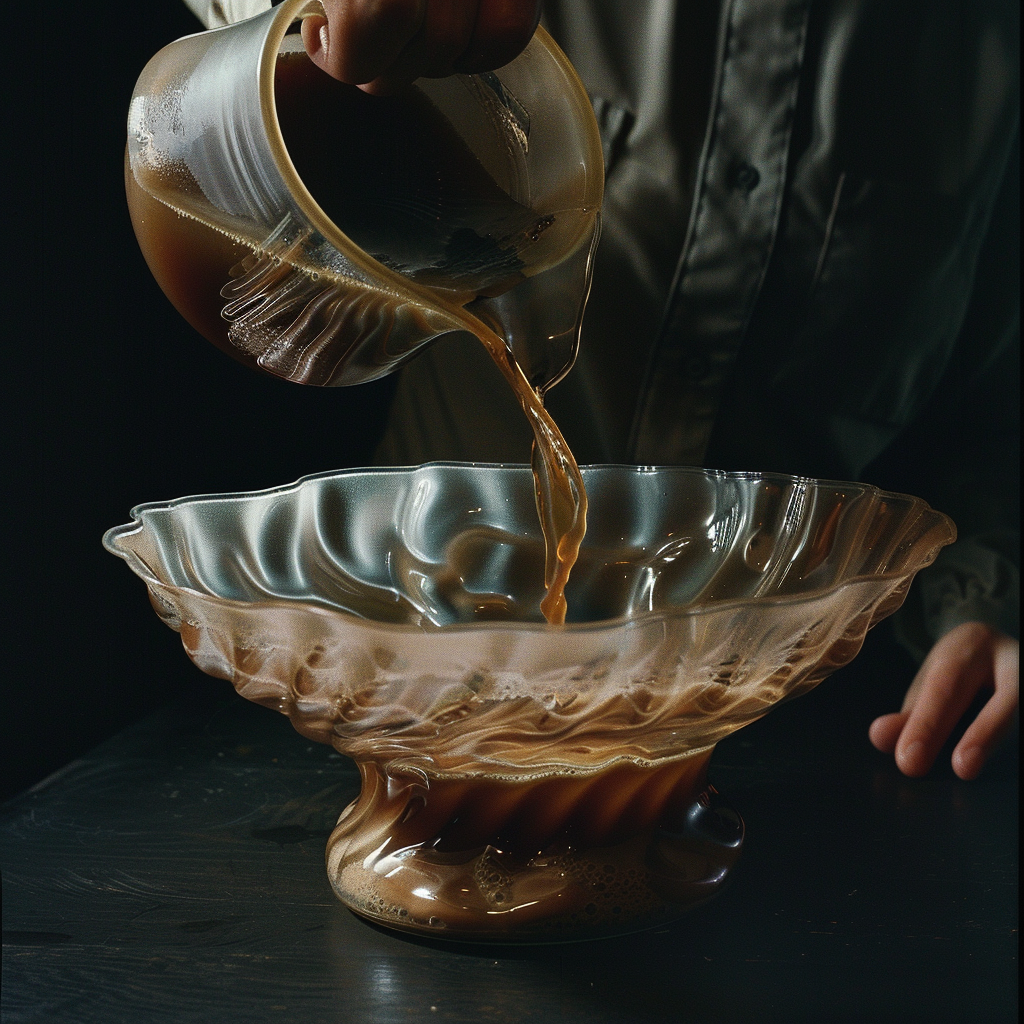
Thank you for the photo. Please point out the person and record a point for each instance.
(809, 264)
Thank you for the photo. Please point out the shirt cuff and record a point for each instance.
(217, 13)
(974, 580)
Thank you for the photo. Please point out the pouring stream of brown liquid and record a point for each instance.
(413, 196)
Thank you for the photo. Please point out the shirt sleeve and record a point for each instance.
(216, 13)
(966, 450)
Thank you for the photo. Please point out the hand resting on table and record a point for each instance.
(970, 658)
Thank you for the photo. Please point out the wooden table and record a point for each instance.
(176, 875)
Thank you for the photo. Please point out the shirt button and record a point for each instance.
(744, 176)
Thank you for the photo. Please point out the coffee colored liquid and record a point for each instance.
(548, 859)
(395, 176)
(190, 261)
(417, 199)
(397, 179)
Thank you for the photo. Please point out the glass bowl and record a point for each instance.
(524, 782)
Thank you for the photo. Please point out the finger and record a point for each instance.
(951, 676)
(502, 30)
(984, 734)
(884, 731)
(996, 718)
(362, 38)
(316, 39)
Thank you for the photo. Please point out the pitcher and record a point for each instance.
(242, 246)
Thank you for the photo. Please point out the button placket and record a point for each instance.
(732, 231)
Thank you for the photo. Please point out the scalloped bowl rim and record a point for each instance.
(141, 569)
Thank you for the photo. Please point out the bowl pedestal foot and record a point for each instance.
(542, 859)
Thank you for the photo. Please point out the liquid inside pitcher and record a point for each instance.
(345, 231)
(324, 235)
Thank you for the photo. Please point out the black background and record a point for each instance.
(111, 399)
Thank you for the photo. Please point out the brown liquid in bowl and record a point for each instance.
(544, 860)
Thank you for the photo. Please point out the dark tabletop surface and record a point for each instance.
(176, 874)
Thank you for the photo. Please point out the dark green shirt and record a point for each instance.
(809, 264)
